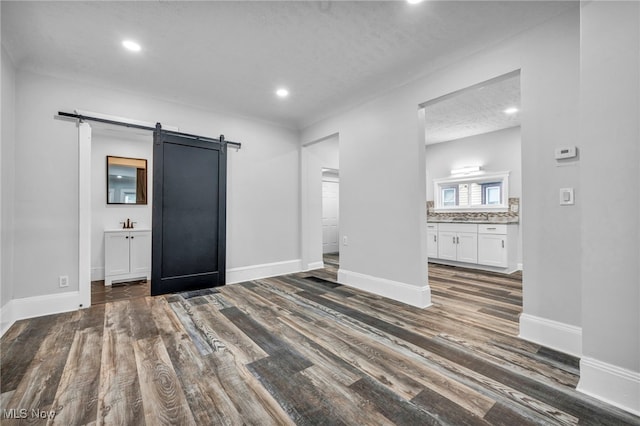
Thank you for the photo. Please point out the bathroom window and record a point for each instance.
(479, 192)
(492, 193)
(449, 197)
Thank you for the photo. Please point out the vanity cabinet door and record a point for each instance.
(140, 244)
(116, 246)
(467, 250)
(432, 240)
(492, 250)
(447, 245)
(432, 244)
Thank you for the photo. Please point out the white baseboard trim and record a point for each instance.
(509, 270)
(6, 317)
(37, 306)
(315, 265)
(552, 334)
(97, 273)
(614, 385)
(254, 272)
(401, 292)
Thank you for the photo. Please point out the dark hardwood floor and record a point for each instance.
(296, 349)
(101, 293)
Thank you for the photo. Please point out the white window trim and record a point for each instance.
(481, 177)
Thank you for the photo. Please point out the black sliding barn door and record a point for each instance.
(189, 213)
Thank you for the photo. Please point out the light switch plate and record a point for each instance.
(566, 197)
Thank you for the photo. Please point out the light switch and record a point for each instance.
(566, 197)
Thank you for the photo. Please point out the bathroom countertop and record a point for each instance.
(479, 221)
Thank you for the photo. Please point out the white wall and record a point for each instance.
(119, 142)
(495, 151)
(263, 179)
(325, 153)
(7, 179)
(610, 142)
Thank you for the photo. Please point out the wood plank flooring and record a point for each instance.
(296, 349)
(101, 293)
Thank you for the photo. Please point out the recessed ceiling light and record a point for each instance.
(131, 45)
(282, 93)
(511, 110)
(414, 1)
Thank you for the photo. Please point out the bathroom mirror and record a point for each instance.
(126, 180)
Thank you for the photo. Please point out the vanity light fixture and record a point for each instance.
(511, 111)
(466, 170)
(131, 45)
(282, 92)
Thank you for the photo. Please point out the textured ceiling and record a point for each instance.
(230, 56)
(473, 111)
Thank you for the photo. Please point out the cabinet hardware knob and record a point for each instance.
(454, 240)
(434, 238)
(457, 240)
(127, 237)
(502, 243)
(491, 229)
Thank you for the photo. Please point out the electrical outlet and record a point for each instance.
(63, 280)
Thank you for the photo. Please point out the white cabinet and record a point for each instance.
(493, 245)
(484, 246)
(432, 240)
(127, 255)
(458, 242)
(447, 245)
(467, 247)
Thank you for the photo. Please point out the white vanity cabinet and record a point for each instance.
(432, 240)
(458, 242)
(127, 255)
(493, 245)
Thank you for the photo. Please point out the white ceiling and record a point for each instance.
(231, 56)
(474, 110)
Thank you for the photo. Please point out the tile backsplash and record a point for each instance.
(510, 216)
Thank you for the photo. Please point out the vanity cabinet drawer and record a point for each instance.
(492, 229)
(458, 227)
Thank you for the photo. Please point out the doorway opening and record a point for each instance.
(330, 216)
(121, 196)
(320, 199)
(474, 186)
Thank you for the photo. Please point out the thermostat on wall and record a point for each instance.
(566, 152)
